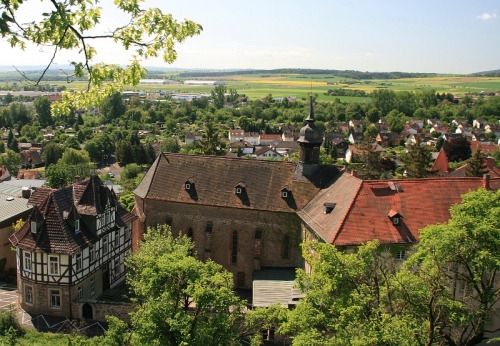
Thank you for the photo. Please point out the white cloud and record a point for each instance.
(487, 16)
(368, 54)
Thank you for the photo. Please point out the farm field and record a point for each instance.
(256, 86)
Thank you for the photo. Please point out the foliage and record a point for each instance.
(180, 300)
(51, 153)
(131, 171)
(74, 157)
(62, 174)
(457, 149)
(112, 107)
(218, 96)
(417, 160)
(369, 158)
(9, 324)
(11, 160)
(42, 107)
(210, 143)
(72, 26)
(456, 265)
(475, 167)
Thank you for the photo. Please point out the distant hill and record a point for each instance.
(492, 73)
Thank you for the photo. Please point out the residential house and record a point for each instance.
(71, 249)
(353, 152)
(489, 168)
(245, 148)
(190, 138)
(267, 139)
(268, 153)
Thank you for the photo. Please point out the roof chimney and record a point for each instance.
(486, 182)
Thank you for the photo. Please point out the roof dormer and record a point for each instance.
(329, 207)
(189, 184)
(285, 192)
(239, 188)
(395, 217)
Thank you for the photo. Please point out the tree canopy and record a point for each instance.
(73, 25)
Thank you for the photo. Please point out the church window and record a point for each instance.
(234, 248)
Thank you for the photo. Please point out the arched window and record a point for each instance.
(286, 247)
(234, 248)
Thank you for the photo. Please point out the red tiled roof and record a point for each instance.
(489, 168)
(421, 202)
(485, 148)
(441, 165)
(362, 208)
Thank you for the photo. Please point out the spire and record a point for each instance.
(310, 117)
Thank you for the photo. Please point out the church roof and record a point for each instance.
(216, 177)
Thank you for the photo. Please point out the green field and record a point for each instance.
(256, 86)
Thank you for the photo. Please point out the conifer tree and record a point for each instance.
(476, 168)
(417, 160)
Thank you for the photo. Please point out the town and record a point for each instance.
(144, 205)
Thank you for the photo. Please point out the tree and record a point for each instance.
(475, 167)
(457, 149)
(11, 160)
(112, 107)
(185, 301)
(454, 271)
(210, 142)
(72, 25)
(42, 107)
(170, 145)
(417, 160)
(218, 95)
(369, 158)
(51, 153)
(74, 157)
(59, 173)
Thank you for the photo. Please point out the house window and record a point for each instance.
(286, 247)
(209, 226)
(99, 223)
(190, 233)
(78, 262)
(55, 299)
(127, 233)
(33, 227)
(28, 294)
(238, 190)
(234, 248)
(53, 265)
(79, 294)
(188, 186)
(77, 226)
(395, 220)
(115, 240)
(117, 267)
(27, 261)
(91, 254)
(107, 218)
(401, 255)
(169, 220)
(92, 286)
(104, 246)
(258, 234)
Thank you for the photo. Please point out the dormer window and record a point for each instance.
(188, 185)
(33, 227)
(239, 188)
(285, 192)
(77, 226)
(329, 207)
(395, 217)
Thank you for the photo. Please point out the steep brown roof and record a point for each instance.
(216, 177)
(441, 165)
(363, 208)
(56, 210)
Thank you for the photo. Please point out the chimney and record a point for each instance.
(486, 182)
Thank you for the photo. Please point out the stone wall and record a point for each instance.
(212, 231)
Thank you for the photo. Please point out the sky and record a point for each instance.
(384, 35)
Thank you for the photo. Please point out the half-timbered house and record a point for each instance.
(71, 249)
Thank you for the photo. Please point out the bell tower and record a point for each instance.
(310, 142)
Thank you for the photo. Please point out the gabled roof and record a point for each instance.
(489, 168)
(362, 214)
(56, 210)
(216, 178)
(441, 164)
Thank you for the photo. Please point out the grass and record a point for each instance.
(300, 86)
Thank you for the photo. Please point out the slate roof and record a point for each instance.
(362, 208)
(215, 179)
(55, 211)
